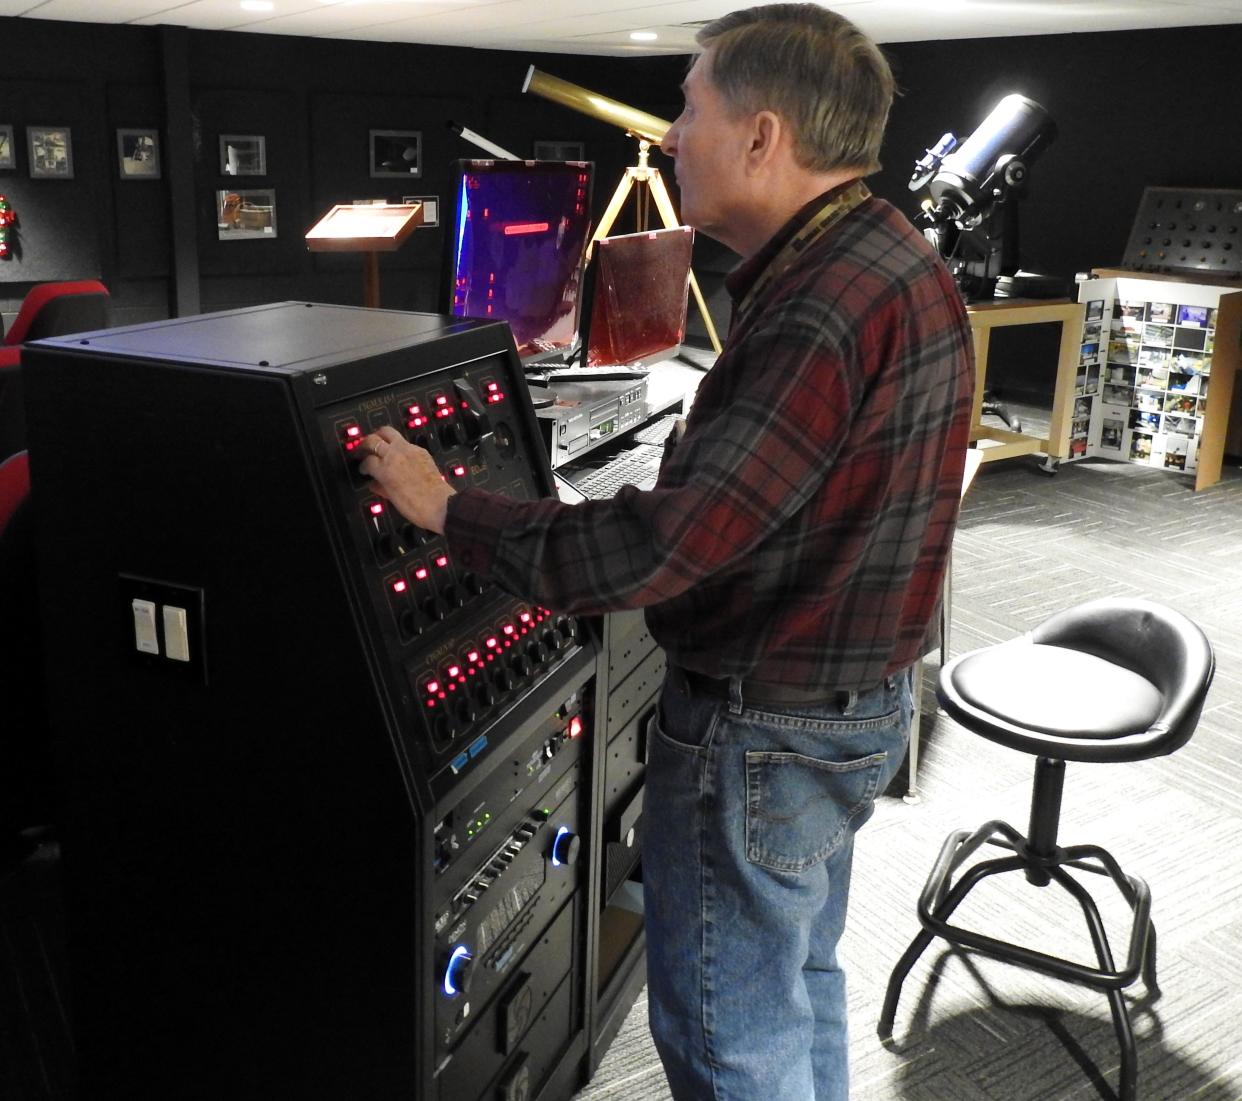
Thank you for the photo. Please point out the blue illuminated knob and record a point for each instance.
(458, 971)
(565, 847)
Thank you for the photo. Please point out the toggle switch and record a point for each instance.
(176, 633)
(146, 640)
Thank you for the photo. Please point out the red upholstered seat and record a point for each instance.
(14, 486)
(56, 309)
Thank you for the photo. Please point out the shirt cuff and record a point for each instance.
(473, 521)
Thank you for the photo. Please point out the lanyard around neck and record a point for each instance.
(828, 216)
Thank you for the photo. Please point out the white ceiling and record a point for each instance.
(604, 26)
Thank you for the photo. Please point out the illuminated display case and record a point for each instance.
(1155, 379)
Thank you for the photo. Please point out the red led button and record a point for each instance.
(421, 573)
(432, 686)
(442, 561)
(376, 508)
(459, 471)
(398, 586)
(575, 727)
(351, 436)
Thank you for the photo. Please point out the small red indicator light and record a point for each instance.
(575, 727)
(441, 399)
(525, 617)
(433, 686)
(459, 470)
(454, 670)
(377, 508)
(353, 431)
(442, 561)
(508, 628)
(517, 229)
(421, 573)
(492, 642)
(473, 655)
(493, 386)
(398, 586)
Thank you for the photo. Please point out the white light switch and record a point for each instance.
(146, 640)
(176, 635)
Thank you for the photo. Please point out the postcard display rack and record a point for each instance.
(1155, 376)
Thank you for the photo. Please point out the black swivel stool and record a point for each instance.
(1109, 680)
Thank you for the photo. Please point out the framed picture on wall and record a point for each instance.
(8, 155)
(138, 154)
(396, 153)
(246, 215)
(243, 155)
(51, 152)
(560, 151)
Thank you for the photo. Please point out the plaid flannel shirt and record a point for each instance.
(800, 530)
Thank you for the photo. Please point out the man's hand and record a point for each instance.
(407, 476)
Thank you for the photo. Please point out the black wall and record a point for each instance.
(1132, 109)
(314, 100)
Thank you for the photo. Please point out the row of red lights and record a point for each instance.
(421, 573)
(477, 658)
(352, 434)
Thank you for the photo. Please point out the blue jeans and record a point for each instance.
(750, 821)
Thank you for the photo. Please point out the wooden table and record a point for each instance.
(1002, 443)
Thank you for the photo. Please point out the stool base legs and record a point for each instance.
(941, 896)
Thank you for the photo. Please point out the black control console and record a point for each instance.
(325, 790)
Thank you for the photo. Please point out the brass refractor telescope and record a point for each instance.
(648, 129)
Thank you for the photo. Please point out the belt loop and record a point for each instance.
(735, 695)
(851, 701)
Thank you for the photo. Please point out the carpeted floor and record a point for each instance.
(970, 1029)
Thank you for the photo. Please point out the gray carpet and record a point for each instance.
(968, 1028)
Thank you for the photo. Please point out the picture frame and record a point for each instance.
(51, 152)
(8, 152)
(138, 154)
(243, 155)
(431, 208)
(560, 151)
(396, 153)
(246, 215)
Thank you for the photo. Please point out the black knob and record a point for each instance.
(408, 624)
(520, 665)
(502, 678)
(443, 727)
(385, 546)
(450, 434)
(483, 693)
(472, 583)
(465, 710)
(552, 639)
(565, 847)
(434, 608)
(423, 440)
(537, 652)
(453, 596)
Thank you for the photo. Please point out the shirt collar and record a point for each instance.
(743, 277)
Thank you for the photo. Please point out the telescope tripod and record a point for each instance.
(650, 185)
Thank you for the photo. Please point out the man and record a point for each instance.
(790, 557)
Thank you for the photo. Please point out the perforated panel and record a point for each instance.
(1186, 229)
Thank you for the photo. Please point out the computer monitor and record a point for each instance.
(518, 239)
(638, 290)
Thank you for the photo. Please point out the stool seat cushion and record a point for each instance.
(1055, 690)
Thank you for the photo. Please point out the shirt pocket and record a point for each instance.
(799, 808)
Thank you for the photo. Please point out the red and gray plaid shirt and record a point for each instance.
(800, 530)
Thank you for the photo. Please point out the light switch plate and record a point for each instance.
(179, 622)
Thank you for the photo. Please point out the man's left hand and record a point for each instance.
(407, 476)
